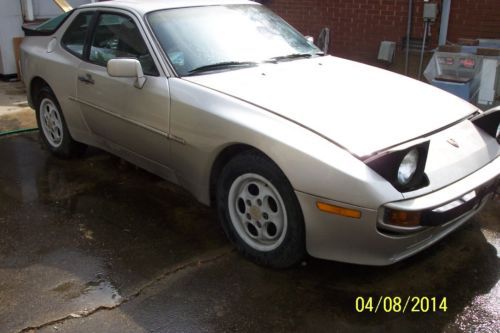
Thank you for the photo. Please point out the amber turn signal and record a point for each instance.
(327, 208)
(403, 218)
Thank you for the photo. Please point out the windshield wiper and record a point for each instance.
(222, 65)
(294, 56)
(291, 56)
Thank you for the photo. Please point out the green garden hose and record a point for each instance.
(23, 130)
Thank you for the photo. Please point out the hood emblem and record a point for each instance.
(453, 143)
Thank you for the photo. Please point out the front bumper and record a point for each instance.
(361, 241)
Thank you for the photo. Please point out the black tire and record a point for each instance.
(291, 250)
(66, 147)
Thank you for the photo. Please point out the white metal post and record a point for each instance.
(445, 19)
(28, 13)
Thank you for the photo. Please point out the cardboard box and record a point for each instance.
(468, 41)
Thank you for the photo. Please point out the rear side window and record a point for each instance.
(53, 24)
(74, 37)
(48, 27)
(117, 36)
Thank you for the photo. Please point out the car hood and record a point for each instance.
(361, 108)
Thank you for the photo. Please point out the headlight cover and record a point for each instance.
(408, 167)
(405, 168)
(489, 122)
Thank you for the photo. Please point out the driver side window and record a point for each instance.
(74, 38)
(117, 36)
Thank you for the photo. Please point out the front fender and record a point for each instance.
(209, 121)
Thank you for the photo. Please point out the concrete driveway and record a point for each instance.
(97, 245)
(15, 113)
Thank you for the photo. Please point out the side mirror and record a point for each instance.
(127, 67)
(310, 39)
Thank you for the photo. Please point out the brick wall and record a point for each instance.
(474, 19)
(358, 26)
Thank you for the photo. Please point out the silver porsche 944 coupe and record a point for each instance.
(300, 152)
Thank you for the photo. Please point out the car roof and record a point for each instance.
(145, 6)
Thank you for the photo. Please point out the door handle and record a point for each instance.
(86, 79)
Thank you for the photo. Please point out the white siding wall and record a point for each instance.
(11, 20)
(47, 8)
(10, 26)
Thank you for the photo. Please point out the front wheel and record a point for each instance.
(259, 211)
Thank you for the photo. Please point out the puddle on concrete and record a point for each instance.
(70, 289)
(494, 239)
(100, 292)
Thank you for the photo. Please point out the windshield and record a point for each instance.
(199, 39)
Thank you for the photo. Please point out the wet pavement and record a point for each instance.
(97, 245)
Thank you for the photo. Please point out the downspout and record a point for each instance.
(27, 7)
(408, 32)
(445, 19)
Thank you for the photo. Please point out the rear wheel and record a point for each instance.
(53, 128)
(259, 211)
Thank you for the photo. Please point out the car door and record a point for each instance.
(134, 119)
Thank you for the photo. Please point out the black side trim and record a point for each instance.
(89, 36)
(32, 32)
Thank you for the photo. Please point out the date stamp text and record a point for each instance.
(396, 304)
